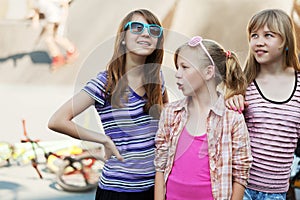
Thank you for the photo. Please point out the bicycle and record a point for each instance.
(76, 173)
(11, 154)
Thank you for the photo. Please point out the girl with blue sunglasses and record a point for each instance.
(128, 97)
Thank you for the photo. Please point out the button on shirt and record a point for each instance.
(228, 144)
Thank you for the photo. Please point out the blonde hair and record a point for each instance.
(228, 68)
(278, 22)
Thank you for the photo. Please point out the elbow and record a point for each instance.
(56, 123)
(52, 123)
(59, 123)
(60, 120)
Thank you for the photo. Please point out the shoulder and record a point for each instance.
(171, 108)
(233, 116)
(175, 105)
(251, 86)
(298, 75)
(252, 91)
(100, 79)
(102, 75)
(97, 83)
(220, 109)
(173, 113)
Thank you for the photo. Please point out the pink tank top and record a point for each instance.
(190, 175)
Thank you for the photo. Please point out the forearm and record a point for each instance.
(159, 189)
(237, 191)
(70, 128)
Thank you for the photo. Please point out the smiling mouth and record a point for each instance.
(260, 52)
(144, 43)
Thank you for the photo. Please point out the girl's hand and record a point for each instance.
(111, 150)
(236, 103)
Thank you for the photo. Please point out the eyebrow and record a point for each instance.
(268, 31)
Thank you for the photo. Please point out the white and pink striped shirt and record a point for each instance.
(274, 128)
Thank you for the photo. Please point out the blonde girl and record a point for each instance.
(202, 148)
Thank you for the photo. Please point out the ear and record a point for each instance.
(210, 72)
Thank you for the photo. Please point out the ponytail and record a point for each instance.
(229, 75)
(234, 81)
(229, 72)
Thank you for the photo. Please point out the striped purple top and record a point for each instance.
(274, 128)
(133, 132)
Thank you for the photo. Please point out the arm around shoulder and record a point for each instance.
(236, 103)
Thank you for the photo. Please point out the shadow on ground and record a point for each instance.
(37, 57)
(12, 187)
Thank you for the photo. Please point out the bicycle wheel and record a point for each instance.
(79, 174)
(6, 153)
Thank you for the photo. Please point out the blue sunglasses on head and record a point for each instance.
(138, 27)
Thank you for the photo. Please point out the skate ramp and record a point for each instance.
(29, 89)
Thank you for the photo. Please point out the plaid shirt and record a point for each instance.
(228, 145)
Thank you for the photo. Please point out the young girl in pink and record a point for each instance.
(202, 148)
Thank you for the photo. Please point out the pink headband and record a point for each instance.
(197, 40)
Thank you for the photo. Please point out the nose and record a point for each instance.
(145, 32)
(260, 41)
(178, 73)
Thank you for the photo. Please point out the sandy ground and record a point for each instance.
(23, 183)
(29, 90)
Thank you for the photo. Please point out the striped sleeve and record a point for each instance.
(96, 87)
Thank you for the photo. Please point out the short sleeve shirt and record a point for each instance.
(133, 132)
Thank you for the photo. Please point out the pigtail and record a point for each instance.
(235, 81)
(230, 78)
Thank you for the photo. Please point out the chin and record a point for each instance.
(187, 94)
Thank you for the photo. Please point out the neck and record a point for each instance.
(135, 74)
(204, 99)
(133, 61)
(272, 68)
(198, 110)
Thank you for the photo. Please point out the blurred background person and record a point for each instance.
(55, 14)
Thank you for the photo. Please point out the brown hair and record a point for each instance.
(152, 67)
